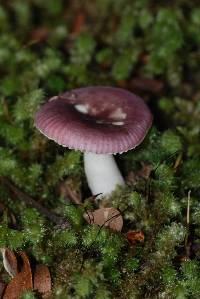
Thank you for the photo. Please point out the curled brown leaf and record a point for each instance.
(78, 23)
(9, 261)
(21, 282)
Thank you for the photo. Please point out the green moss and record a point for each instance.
(167, 39)
(191, 278)
(63, 165)
(170, 142)
(11, 238)
(28, 295)
(191, 173)
(63, 238)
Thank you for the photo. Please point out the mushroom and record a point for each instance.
(99, 121)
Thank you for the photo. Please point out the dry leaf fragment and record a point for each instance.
(135, 236)
(42, 280)
(21, 282)
(108, 217)
(147, 84)
(9, 261)
(2, 288)
(79, 23)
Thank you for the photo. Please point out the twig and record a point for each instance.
(188, 208)
(74, 197)
(178, 161)
(59, 220)
(187, 244)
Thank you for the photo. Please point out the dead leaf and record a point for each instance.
(21, 282)
(79, 22)
(2, 288)
(147, 84)
(9, 261)
(42, 280)
(135, 236)
(108, 217)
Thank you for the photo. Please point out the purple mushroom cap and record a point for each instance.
(99, 119)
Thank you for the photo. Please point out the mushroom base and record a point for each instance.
(102, 173)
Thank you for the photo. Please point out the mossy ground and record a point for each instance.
(151, 48)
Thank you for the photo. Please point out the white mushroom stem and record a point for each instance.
(102, 173)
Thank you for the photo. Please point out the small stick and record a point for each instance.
(61, 221)
(188, 208)
(187, 245)
(72, 195)
(178, 161)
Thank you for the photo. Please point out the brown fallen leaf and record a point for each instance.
(135, 236)
(42, 280)
(147, 84)
(79, 23)
(2, 288)
(108, 217)
(21, 282)
(9, 261)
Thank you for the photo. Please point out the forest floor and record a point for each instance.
(48, 248)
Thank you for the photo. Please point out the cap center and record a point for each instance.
(106, 115)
